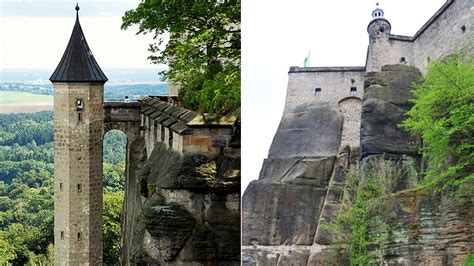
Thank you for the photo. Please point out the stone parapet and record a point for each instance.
(187, 131)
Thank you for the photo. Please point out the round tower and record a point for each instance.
(379, 27)
(379, 43)
(78, 85)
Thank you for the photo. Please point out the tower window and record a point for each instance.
(353, 91)
(61, 186)
(62, 234)
(79, 108)
(79, 187)
(79, 105)
(79, 236)
(403, 60)
(463, 28)
(317, 91)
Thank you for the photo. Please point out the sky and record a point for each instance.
(35, 33)
(279, 34)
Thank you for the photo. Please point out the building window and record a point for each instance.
(62, 234)
(463, 28)
(79, 105)
(353, 91)
(79, 187)
(61, 186)
(403, 60)
(79, 108)
(79, 236)
(317, 91)
(382, 29)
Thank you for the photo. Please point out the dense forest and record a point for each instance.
(26, 190)
(112, 92)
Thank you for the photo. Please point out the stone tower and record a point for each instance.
(379, 32)
(78, 127)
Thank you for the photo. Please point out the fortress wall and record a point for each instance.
(388, 51)
(444, 34)
(335, 84)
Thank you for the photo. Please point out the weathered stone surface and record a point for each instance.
(133, 227)
(302, 171)
(284, 255)
(431, 230)
(279, 213)
(181, 210)
(308, 131)
(386, 100)
(169, 226)
(193, 172)
(422, 229)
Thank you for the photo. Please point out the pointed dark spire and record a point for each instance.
(78, 63)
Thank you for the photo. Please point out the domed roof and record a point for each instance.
(377, 13)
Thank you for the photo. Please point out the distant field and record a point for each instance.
(21, 102)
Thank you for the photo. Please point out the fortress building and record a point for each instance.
(182, 187)
(335, 119)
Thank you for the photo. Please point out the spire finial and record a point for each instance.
(77, 6)
(377, 4)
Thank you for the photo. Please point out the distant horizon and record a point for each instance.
(114, 74)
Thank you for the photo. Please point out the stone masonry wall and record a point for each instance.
(438, 38)
(335, 84)
(445, 34)
(78, 174)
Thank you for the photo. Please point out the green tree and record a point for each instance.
(443, 115)
(203, 50)
(7, 251)
(112, 214)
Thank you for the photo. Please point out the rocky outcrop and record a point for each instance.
(306, 130)
(298, 187)
(181, 209)
(429, 229)
(386, 100)
(301, 181)
(421, 229)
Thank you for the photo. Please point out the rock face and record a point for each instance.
(430, 230)
(423, 229)
(300, 185)
(181, 209)
(386, 100)
(384, 144)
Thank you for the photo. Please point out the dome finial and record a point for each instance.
(378, 12)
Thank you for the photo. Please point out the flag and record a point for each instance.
(307, 59)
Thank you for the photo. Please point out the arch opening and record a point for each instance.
(115, 143)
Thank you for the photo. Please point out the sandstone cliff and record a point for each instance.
(180, 209)
(300, 186)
